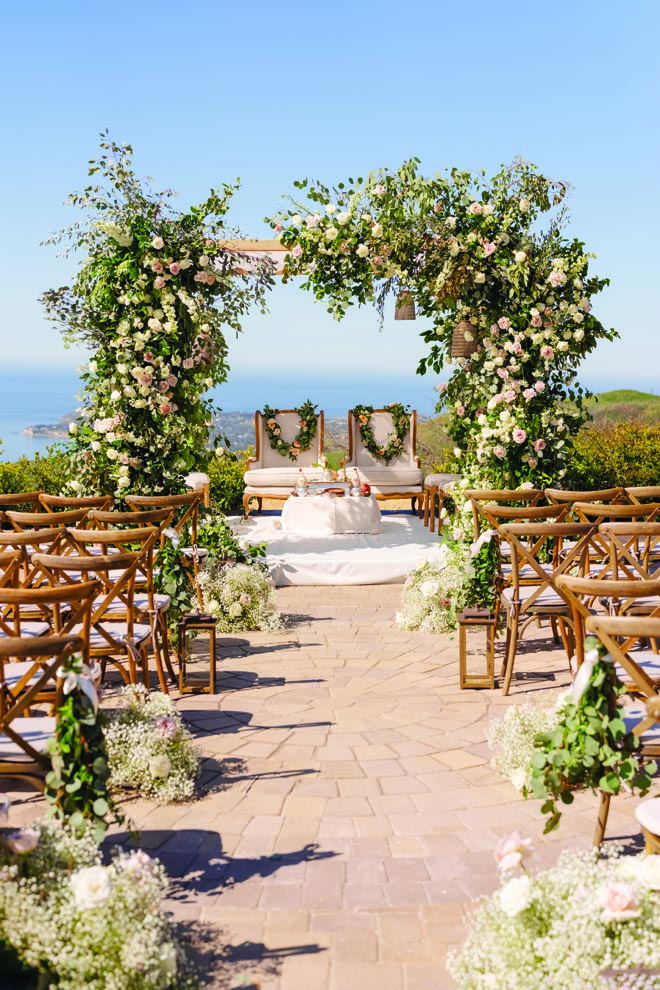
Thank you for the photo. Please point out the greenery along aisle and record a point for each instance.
(151, 300)
(471, 251)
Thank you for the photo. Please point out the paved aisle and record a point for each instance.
(351, 814)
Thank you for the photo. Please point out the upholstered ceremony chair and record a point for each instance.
(402, 478)
(273, 475)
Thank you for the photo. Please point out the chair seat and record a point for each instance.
(280, 477)
(36, 731)
(444, 481)
(14, 671)
(32, 628)
(119, 632)
(141, 602)
(392, 477)
(633, 715)
(548, 599)
(647, 814)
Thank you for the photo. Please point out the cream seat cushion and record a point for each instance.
(389, 477)
(279, 477)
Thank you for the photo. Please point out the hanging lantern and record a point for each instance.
(476, 648)
(404, 308)
(196, 647)
(464, 340)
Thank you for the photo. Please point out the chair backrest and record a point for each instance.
(10, 562)
(54, 503)
(644, 493)
(619, 635)
(614, 512)
(184, 508)
(26, 542)
(381, 424)
(64, 608)
(607, 495)
(289, 422)
(634, 548)
(112, 519)
(500, 496)
(14, 500)
(45, 520)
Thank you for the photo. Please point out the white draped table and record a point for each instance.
(324, 515)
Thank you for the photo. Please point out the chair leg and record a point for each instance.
(512, 635)
(603, 812)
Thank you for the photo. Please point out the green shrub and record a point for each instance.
(48, 473)
(625, 454)
(226, 477)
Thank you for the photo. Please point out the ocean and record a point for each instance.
(31, 396)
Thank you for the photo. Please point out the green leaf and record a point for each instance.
(100, 807)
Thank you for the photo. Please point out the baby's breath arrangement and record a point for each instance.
(241, 597)
(82, 925)
(150, 750)
(511, 738)
(565, 927)
(435, 592)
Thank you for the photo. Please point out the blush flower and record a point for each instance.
(475, 208)
(547, 352)
(519, 435)
(511, 850)
(515, 896)
(529, 393)
(489, 248)
(619, 902)
(23, 841)
(503, 323)
(166, 727)
(297, 251)
(539, 444)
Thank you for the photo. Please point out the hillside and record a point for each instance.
(624, 405)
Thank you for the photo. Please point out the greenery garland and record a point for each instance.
(304, 437)
(400, 422)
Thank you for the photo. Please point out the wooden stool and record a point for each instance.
(647, 814)
(434, 485)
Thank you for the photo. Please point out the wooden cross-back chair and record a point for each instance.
(598, 515)
(64, 610)
(643, 493)
(533, 593)
(619, 635)
(23, 521)
(608, 496)
(60, 503)
(614, 597)
(116, 632)
(24, 740)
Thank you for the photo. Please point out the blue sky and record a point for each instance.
(272, 92)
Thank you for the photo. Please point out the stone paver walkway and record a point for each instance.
(349, 815)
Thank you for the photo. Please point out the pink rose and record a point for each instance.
(144, 379)
(187, 363)
(529, 393)
(489, 248)
(536, 321)
(475, 208)
(540, 387)
(379, 190)
(547, 352)
(172, 380)
(458, 534)
(619, 902)
(510, 395)
(511, 850)
(460, 411)
(163, 386)
(297, 251)
(539, 444)
(499, 452)
(124, 459)
(441, 387)
(175, 267)
(210, 279)
(278, 227)
(156, 266)
(556, 278)
(494, 329)
(519, 435)
(245, 599)
(498, 398)
(503, 323)
(532, 462)
(148, 357)
(502, 372)
(200, 277)
(517, 347)
(437, 207)
(166, 726)
(159, 282)
(165, 408)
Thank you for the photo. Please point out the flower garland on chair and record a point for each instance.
(304, 436)
(400, 422)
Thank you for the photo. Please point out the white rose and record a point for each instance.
(160, 766)
(73, 428)
(518, 778)
(123, 470)
(111, 454)
(487, 210)
(647, 871)
(91, 887)
(158, 243)
(93, 367)
(520, 256)
(330, 209)
(377, 230)
(524, 205)
(479, 278)
(115, 395)
(515, 896)
(296, 219)
(123, 482)
(331, 233)
(362, 251)
(343, 217)
(203, 261)
(429, 588)
(95, 445)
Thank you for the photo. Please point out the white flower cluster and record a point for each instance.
(511, 738)
(90, 926)
(558, 929)
(240, 596)
(150, 750)
(434, 593)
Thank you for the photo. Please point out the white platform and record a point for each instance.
(386, 558)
